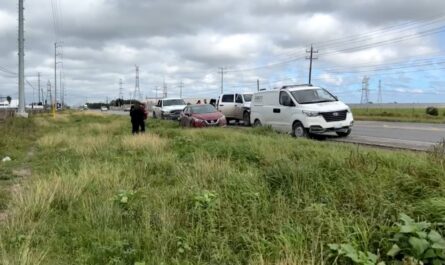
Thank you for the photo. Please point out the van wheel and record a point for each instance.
(246, 118)
(298, 130)
(344, 134)
(257, 123)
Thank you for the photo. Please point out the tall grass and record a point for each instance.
(216, 196)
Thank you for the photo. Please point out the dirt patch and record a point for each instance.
(3, 216)
(22, 173)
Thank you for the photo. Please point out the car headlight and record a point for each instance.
(311, 113)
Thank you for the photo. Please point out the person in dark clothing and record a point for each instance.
(138, 116)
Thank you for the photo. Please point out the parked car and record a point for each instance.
(169, 108)
(201, 116)
(301, 110)
(235, 106)
(103, 108)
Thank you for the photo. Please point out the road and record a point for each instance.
(414, 136)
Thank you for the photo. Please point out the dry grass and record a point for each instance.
(145, 141)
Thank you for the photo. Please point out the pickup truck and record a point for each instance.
(169, 108)
(235, 106)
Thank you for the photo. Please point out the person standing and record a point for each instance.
(138, 115)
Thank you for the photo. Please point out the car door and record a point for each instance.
(157, 109)
(284, 112)
(185, 117)
(227, 105)
(238, 108)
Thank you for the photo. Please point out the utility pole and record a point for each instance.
(165, 92)
(181, 86)
(55, 73)
(311, 58)
(258, 85)
(380, 96)
(121, 92)
(137, 91)
(21, 110)
(61, 89)
(38, 87)
(222, 79)
(365, 91)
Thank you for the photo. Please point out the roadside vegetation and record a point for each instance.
(97, 195)
(399, 115)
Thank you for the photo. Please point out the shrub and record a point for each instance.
(432, 111)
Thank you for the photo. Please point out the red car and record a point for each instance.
(201, 116)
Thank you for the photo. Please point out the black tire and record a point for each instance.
(246, 118)
(257, 123)
(298, 130)
(154, 115)
(344, 134)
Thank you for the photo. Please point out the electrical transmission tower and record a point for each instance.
(57, 54)
(365, 91)
(311, 58)
(137, 90)
(49, 96)
(380, 96)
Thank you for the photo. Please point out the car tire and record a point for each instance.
(154, 115)
(344, 134)
(257, 123)
(246, 118)
(298, 130)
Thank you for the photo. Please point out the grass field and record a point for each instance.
(398, 114)
(97, 195)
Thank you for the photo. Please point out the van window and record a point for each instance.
(228, 98)
(239, 98)
(285, 99)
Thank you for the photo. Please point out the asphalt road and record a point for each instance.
(414, 136)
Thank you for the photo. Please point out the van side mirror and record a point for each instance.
(336, 98)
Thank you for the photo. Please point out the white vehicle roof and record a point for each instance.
(299, 87)
(171, 99)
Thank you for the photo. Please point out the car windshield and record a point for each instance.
(202, 109)
(309, 96)
(173, 102)
(247, 97)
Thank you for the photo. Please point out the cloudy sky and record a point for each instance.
(400, 42)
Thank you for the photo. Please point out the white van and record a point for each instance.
(301, 110)
(235, 106)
